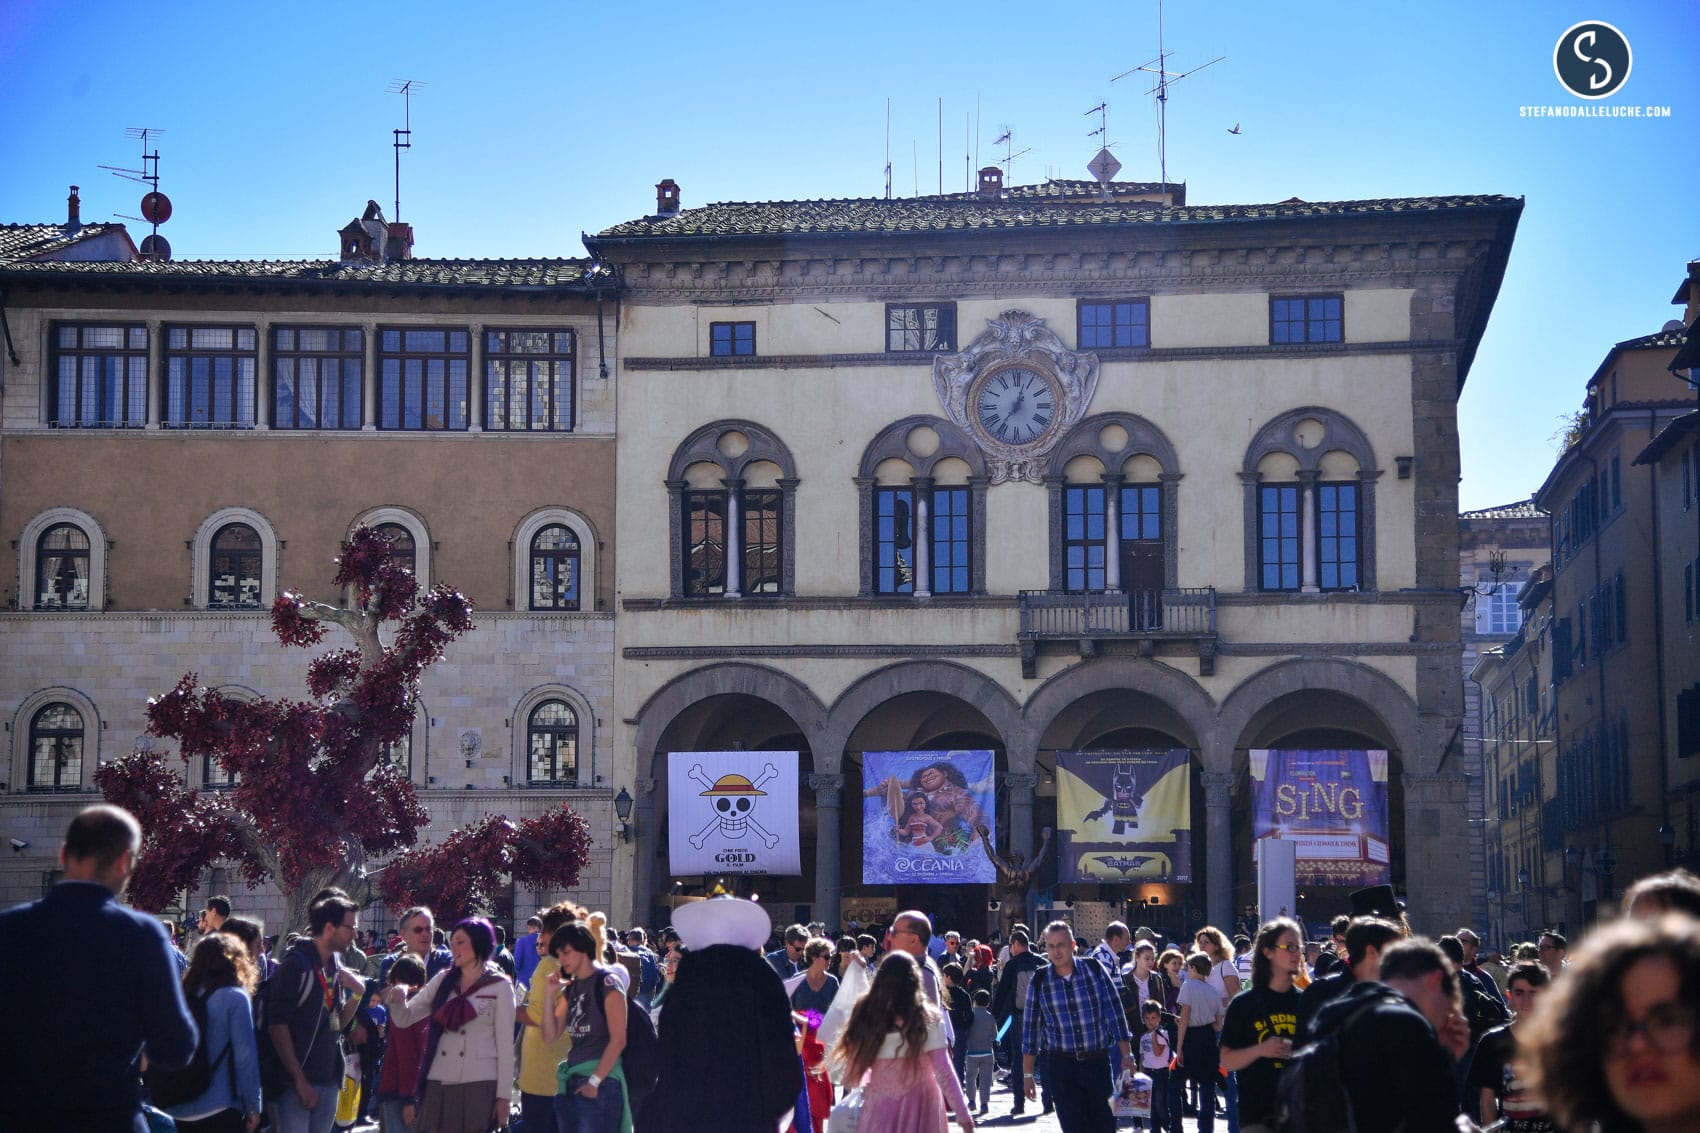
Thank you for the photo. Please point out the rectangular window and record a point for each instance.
(1305, 318)
(1083, 538)
(705, 543)
(894, 541)
(528, 380)
(953, 541)
(1278, 536)
(1498, 614)
(211, 377)
(763, 550)
(731, 340)
(1114, 322)
(1141, 513)
(915, 328)
(100, 376)
(318, 375)
(1337, 536)
(423, 378)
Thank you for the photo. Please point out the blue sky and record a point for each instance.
(538, 122)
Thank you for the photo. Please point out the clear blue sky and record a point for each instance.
(539, 122)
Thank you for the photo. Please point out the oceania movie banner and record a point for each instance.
(921, 811)
(732, 812)
(1332, 803)
(1124, 816)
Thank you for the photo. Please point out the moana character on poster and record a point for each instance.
(935, 806)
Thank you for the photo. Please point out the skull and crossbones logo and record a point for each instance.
(733, 798)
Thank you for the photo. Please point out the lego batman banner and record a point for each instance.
(1124, 816)
(1333, 804)
(732, 812)
(920, 814)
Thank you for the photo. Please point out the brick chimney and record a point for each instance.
(991, 182)
(398, 245)
(366, 236)
(667, 198)
(73, 210)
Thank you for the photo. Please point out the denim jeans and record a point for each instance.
(538, 1111)
(389, 1116)
(575, 1113)
(1168, 1097)
(290, 1116)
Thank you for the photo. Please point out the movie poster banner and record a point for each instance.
(919, 814)
(1332, 804)
(1124, 816)
(732, 812)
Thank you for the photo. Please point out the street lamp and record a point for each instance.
(623, 811)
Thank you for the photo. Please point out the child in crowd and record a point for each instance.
(1156, 1053)
(981, 1062)
(404, 1045)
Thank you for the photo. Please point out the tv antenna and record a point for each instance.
(156, 206)
(888, 149)
(1104, 166)
(1158, 67)
(1007, 141)
(407, 88)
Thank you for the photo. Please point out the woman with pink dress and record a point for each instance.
(894, 1048)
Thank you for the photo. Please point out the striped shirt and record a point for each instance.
(1081, 1014)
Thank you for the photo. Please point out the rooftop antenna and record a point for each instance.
(156, 206)
(407, 88)
(1103, 167)
(1161, 90)
(888, 149)
(1007, 141)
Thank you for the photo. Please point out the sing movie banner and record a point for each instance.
(920, 810)
(732, 812)
(1332, 804)
(1124, 816)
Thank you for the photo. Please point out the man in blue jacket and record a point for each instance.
(87, 985)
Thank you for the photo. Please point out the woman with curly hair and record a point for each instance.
(219, 981)
(1614, 1046)
(894, 1047)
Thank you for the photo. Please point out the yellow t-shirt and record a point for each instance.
(538, 1059)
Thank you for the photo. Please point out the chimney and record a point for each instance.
(73, 211)
(398, 245)
(991, 182)
(667, 198)
(365, 237)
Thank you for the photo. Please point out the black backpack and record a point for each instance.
(274, 1079)
(167, 1088)
(1311, 1095)
(640, 1061)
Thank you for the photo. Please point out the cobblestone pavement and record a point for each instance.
(1035, 1120)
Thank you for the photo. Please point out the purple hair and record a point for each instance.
(480, 933)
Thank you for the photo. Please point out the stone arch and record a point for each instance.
(28, 546)
(519, 754)
(1087, 439)
(943, 678)
(892, 442)
(93, 727)
(703, 446)
(528, 529)
(780, 689)
(411, 522)
(1339, 434)
(1190, 703)
(199, 597)
(1378, 693)
(1093, 439)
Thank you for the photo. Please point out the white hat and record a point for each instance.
(723, 920)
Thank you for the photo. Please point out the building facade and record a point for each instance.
(181, 441)
(1038, 469)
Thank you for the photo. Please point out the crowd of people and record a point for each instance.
(579, 1028)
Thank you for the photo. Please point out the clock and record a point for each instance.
(1015, 405)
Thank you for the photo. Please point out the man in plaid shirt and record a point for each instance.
(1074, 1015)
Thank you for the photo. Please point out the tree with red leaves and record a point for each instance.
(314, 798)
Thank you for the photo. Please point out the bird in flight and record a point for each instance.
(1235, 129)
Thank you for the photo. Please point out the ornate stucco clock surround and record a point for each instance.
(1016, 389)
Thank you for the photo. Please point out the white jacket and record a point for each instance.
(481, 1051)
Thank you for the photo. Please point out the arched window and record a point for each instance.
(399, 755)
(554, 569)
(1113, 483)
(403, 551)
(62, 568)
(1309, 478)
(236, 562)
(732, 486)
(552, 738)
(56, 749)
(923, 488)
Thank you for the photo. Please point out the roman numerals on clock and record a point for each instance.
(1016, 406)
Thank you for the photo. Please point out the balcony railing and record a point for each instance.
(1149, 616)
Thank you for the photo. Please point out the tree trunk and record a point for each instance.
(295, 903)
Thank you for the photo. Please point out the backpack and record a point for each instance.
(1311, 1095)
(167, 1088)
(640, 1061)
(274, 1079)
(650, 974)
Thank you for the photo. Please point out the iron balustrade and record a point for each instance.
(1188, 612)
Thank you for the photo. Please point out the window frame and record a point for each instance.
(499, 396)
(29, 562)
(36, 733)
(944, 340)
(1280, 488)
(201, 581)
(734, 333)
(257, 553)
(84, 553)
(532, 730)
(344, 356)
(887, 553)
(175, 385)
(1307, 323)
(130, 360)
(961, 558)
(526, 530)
(1133, 303)
(401, 356)
(575, 601)
(1086, 541)
(1323, 537)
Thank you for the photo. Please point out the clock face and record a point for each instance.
(1015, 405)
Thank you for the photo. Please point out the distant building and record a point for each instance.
(69, 242)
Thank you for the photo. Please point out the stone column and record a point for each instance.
(1219, 848)
(829, 791)
(1020, 786)
(644, 844)
(1112, 532)
(154, 382)
(922, 490)
(264, 396)
(475, 380)
(1307, 533)
(734, 541)
(369, 387)
(1437, 876)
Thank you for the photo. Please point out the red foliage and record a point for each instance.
(458, 877)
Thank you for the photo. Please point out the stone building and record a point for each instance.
(1043, 468)
(181, 440)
